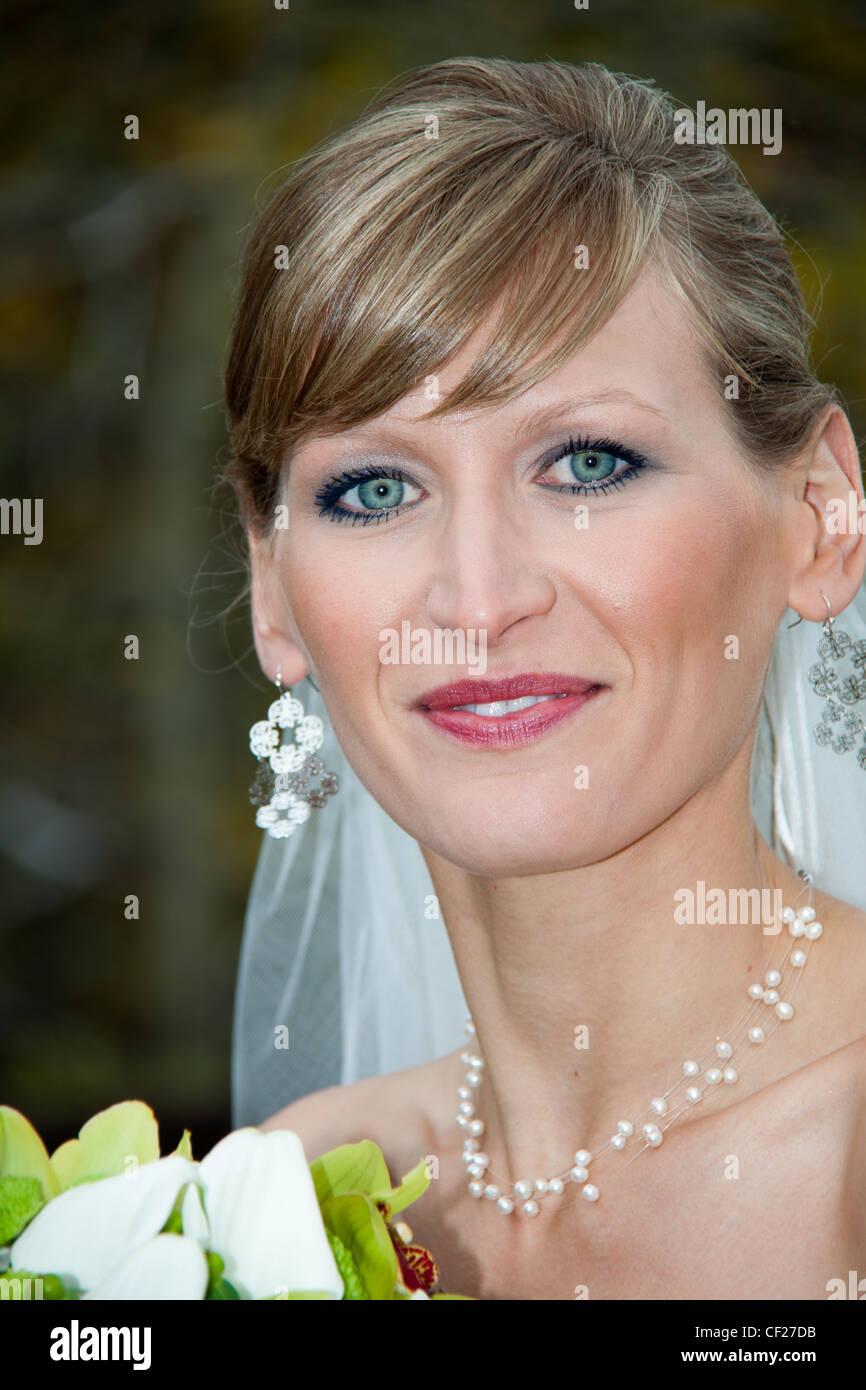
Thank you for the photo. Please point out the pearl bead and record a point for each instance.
(771, 996)
(713, 1076)
(723, 1049)
(756, 991)
(798, 959)
(492, 1192)
(650, 1129)
(471, 1146)
(474, 1078)
(730, 1075)
(523, 1188)
(785, 1010)
(531, 1208)
(807, 914)
(772, 977)
(476, 1170)
(462, 1121)
(618, 1141)
(464, 1057)
(505, 1204)
(796, 928)
(813, 931)
(693, 1093)
(556, 1185)
(690, 1068)
(477, 1189)
(756, 1035)
(466, 1107)
(541, 1185)
(579, 1174)
(582, 1157)
(625, 1127)
(788, 914)
(654, 1139)
(476, 1127)
(464, 1093)
(659, 1105)
(467, 1157)
(590, 1192)
(482, 1159)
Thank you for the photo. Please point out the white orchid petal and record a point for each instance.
(85, 1231)
(167, 1267)
(264, 1217)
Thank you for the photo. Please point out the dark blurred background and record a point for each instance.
(125, 777)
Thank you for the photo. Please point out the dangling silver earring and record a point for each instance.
(281, 787)
(840, 690)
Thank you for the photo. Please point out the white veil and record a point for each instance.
(346, 970)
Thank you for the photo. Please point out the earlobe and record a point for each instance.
(276, 642)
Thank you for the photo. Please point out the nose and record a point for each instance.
(489, 570)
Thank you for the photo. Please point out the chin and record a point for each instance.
(506, 845)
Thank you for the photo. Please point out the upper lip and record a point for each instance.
(478, 692)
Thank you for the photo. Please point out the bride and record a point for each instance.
(509, 359)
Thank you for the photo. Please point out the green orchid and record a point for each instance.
(106, 1217)
(357, 1200)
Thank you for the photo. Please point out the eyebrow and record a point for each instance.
(540, 418)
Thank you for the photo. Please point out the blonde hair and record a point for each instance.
(467, 186)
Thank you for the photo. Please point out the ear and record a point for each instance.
(835, 547)
(278, 645)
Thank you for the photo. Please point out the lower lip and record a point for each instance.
(506, 730)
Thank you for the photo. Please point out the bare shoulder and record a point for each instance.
(397, 1111)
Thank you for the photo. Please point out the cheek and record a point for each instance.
(339, 604)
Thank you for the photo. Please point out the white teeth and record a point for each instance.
(496, 708)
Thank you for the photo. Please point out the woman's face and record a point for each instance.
(663, 590)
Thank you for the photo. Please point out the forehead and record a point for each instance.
(646, 356)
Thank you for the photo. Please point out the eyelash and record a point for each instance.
(334, 488)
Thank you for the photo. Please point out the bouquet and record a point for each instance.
(106, 1217)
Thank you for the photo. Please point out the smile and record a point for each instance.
(505, 712)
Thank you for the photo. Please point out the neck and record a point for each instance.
(588, 993)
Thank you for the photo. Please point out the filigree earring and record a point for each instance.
(841, 688)
(281, 787)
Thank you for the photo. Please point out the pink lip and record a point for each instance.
(509, 729)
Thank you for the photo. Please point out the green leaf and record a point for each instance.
(174, 1224)
(20, 1199)
(359, 1224)
(355, 1290)
(413, 1186)
(23, 1154)
(222, 1291)
(184, 1148)
(362, 1168)
(350, 1168)
(107, 1142)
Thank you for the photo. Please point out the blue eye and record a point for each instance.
(381, 491)
(591, 466)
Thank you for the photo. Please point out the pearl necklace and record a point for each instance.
(526, 1194)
